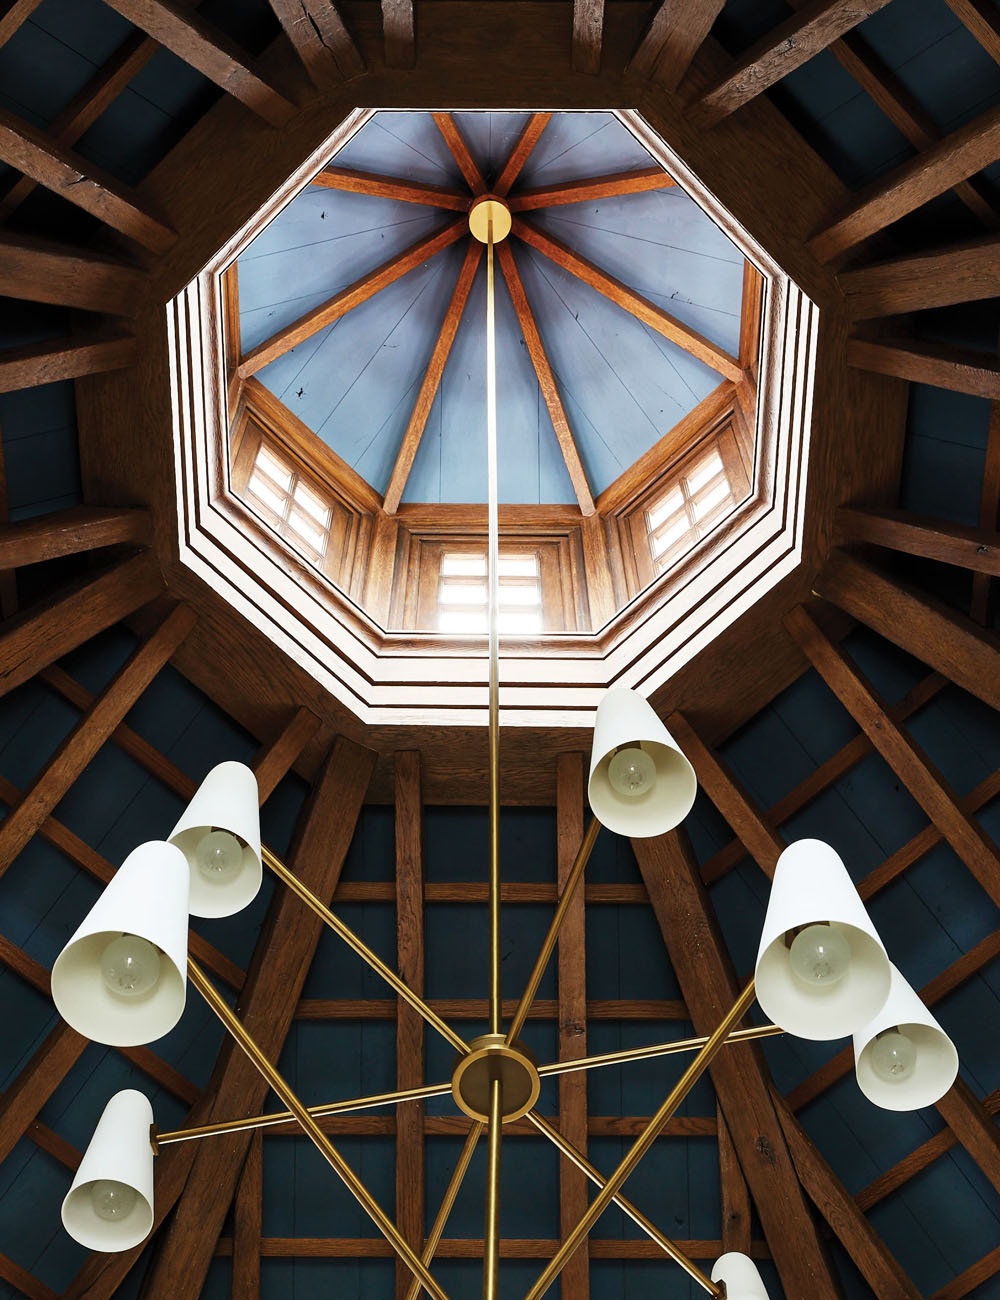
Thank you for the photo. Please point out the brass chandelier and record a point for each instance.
(822, 973)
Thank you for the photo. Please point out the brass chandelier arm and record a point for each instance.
(655, 1050)
(361, 948)
(491, 1244)
(448, 1203)
(274, 1118)
(312, 1130)
(565, 898)
(636, 1215)
(493, 578)
(643, 1143)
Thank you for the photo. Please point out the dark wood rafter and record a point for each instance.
(678, 30)
(935, 539)
(410, 1195)
(458, 1126)
(989, 512)
(69, 532)
(639, 181)
(248, 1205)
(960, 369)
(66, 358)
(391, 187)
(736, 1206)
(472, 1247)
(939, 278)
(12, 14)
(320, 39)
(35, 154)
(521, 152)
(208, 49)
(981, 21)
(588, 36)
(628, 300)
(399, 33)
(467, 165)
(432, 378)
(40, 271)
(546, 380)
(8, 578)
(817, 25)
(347, 299)
(475, 1008)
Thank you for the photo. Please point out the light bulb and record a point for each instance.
(820, 956)
(112, 1201)
(894, 1056)
(219, 857)
(632, 772)
(130, 966)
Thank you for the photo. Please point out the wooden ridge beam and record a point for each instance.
(676, 33)
(918, 624)
(66, 358)
(247, 1219)
(40, 271)
(432, 378)
(936, 170)
(546, 380)
(211, 52)
(317, 33)
(521, 152)
(475, 1008)
(68, 532)
(936, 539)
(399, 33)
(939, 278)
(639, 181)
(588, 36)
(706, 978)
(410, 1036)
(391, 187)
(459, 150)
(815, 26)
(962, 370)
(90, 733)
(73, 178)
(347, 299)
(472, 1247)
(46, 631)
(629, 301)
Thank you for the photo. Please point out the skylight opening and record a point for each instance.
(297, 512)
(689, 508)
(463, 593)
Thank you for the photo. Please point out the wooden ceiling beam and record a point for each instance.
(211, 52)
(90, 733)
(962, 370)
(45, 632)
(980, 17)
(391, 187)
(66, 358)
(68, 532)
(639, 181)
(36, 154)
(989, 513)
(248, 1205)
(49, 1065)
(936, 539)
(940, 278)
(347, 299)
(935, 171)
(971, 1122)
(399, 33)
(317, 33)
(737, 1211)
(546, 380)
(971, 1278)
(472, 1247)
(816, 26)
(922, 626)
(475, 1008)
(521, 152)
(588, 36)
(629, 301)
(467, 165)
(677, 32)
(12, 14)
(40, 271)
(432, 378)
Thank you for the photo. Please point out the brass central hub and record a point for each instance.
(491, 1058)
(489, 208)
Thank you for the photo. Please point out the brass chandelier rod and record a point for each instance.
(447, 1203)
(654, 1051)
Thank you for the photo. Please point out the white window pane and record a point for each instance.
(518, 566)
(313, 504)
(715, 497)
(669, 536)
(455, 564)
(461, 621)
(454, 593)
(266, 492)
(304, 527)
(275, 469)
(705, 471)
(516, 621)
(668, 505)
(520, 593)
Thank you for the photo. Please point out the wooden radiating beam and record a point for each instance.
(923, 781)
(922, 626)
(960, 369)
(459, 150)
(574, 1188)
(934, 171)
(45, 632)
(347, 299)
(546, 380)
(248, 1207)
(66, 358)
(628, 300)
(211, 52)
(319, 37)
(399, 33)
(521, 152)
(678, 30)
(936, 539)
(68, 532)
(786, 47)
(704, 973)
(962, 273)
(391, 187)
(410, 1054)
(35, 154)
(40, 271)
(90, 733)
(638, 181)
(588, 36)
(432, 378)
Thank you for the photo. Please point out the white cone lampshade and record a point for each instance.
(645, 794)
(907, 1074)
(219, 834)
(122, 978)
(110, 1204)
(822, 971)
(739, 1273)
